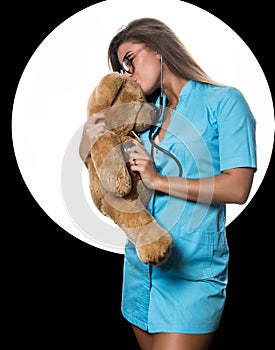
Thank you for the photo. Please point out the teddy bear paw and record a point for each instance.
(157, 252)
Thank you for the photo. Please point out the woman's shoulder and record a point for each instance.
(224, 91)
(220, 93)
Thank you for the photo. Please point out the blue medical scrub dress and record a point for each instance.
(211, 130)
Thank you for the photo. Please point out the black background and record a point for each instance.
(62, 292)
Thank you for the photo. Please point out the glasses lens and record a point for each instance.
(127, 65)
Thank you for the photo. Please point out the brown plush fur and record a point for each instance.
(115, 192)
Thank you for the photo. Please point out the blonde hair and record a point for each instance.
(159, 37)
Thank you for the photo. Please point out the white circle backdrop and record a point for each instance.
(50, 104)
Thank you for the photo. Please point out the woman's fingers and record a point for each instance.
(138, 152)
(139, 157)
(95, 118)
(93, 128)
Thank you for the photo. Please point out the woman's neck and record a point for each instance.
(172, 87)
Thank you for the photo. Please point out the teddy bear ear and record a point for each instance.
(105, 92)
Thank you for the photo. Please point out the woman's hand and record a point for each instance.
(93, 128)
(141, 162)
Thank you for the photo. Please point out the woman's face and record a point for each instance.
(146, 64)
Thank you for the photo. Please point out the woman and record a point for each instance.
(207, 158)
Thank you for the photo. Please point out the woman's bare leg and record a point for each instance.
(172, 341)
(145, 340)
(176, 341)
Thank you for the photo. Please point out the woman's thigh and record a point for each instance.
(144, 339)
(176, 341)
(172, 341)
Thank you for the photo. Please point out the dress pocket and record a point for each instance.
(198, 255)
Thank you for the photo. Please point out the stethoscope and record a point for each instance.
(153, 133)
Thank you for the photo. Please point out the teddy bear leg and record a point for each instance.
(153, 243)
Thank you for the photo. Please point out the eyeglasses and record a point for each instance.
(127, 61)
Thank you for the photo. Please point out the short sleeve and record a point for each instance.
(236, 127)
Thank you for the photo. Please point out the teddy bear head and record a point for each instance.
(124, 104)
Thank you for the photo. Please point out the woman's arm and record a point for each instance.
(93, 128)
(231, 186)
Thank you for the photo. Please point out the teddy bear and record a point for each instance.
(115, 191)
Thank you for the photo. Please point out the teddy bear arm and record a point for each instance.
(110, 165)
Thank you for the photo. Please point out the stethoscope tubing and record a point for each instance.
(152, 135)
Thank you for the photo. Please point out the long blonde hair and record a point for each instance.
(159, 37)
